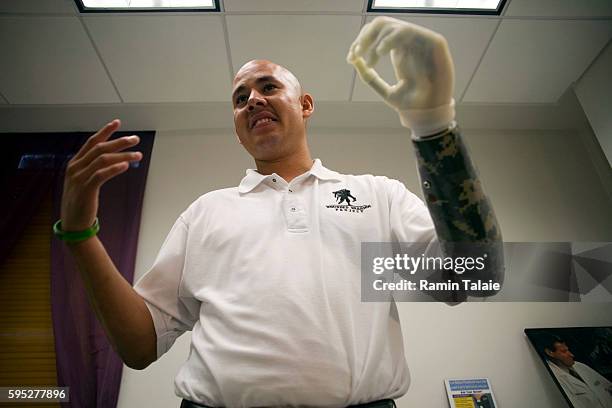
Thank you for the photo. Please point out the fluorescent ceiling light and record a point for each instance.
(439, 6)
(147, 5)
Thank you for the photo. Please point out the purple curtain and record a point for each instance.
(34, 165)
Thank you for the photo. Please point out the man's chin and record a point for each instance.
(267, 156)
(265, 144)
(266, 151)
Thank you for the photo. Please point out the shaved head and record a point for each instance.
(278, 69)
(271, 112)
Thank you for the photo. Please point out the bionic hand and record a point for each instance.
(423, 94)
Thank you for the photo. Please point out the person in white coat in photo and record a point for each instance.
(584, 387)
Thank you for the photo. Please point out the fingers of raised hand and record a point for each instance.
(100, 136)
(99, 149)
(104, 174)
(107, 166)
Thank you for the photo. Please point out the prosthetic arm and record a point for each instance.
(423, 97)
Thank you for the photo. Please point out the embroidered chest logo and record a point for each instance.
(345, 196)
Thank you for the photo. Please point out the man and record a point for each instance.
(266, 275)
(584, 387)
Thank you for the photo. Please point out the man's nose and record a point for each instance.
(255, 99)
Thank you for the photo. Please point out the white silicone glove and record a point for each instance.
(423, 94)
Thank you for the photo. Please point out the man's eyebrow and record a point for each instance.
(265, 78)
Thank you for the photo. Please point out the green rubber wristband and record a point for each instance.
(75, 236)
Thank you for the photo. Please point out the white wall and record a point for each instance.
(594, 90)
(543, 186)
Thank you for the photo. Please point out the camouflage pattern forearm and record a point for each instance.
(460, 210)
(462, 214)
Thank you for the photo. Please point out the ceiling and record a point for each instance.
(55, 57)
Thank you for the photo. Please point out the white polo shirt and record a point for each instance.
(267, 278)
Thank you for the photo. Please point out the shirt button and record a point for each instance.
(274, 180)
(293, 209)
(291, 191)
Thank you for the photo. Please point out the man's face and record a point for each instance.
(561, 354)
(269, 110)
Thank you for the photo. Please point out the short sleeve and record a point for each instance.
(172, 315)
(408, 215)
(413, 228)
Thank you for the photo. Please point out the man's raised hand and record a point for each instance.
(423, 94)
(95, 163)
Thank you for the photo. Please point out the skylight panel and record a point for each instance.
(437, 6)
(147, 5)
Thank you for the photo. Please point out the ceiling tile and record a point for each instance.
(38, 6)
(164, 58)
(534, 61)
(467, 39)
(294, 5)
(313, 47)
(52, 63)
(560, 8)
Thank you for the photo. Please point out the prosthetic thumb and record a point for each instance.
(423, 122)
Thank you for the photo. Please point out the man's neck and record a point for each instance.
(561, 365)
(287, 167)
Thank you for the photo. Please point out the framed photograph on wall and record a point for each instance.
(579, 359)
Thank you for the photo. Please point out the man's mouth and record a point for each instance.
(261, 119)
(262, 122)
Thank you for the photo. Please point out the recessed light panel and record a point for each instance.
(147, 5)
(437, 6)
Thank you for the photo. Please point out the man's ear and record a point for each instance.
(548, 352)
(307, 105)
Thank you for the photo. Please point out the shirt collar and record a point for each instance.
(253, 178)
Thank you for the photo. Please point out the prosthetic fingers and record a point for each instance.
(423, 94)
